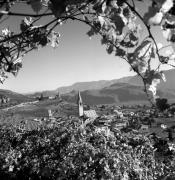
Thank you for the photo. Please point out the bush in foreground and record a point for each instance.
(72, 151)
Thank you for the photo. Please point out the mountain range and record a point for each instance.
(124, 90)
(82, 86)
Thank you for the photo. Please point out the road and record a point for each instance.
(20, 105)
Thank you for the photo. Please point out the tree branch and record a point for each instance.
(147, 27)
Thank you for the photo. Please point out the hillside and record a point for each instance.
(116, 93)
(119, 93)
(165, 89)
(14, 97)
(169, 84)
(94, 85)
(81, 86)
(123, 90)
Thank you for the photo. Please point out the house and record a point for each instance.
(90, 114)
(163, 126)
(58, 96)
(131, 113)
(4, 99)
(120, 125)
(118, 113)
(51, 97)
(42, 98)
(144, 128)
(51, 117)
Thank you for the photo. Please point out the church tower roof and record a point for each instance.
(80, 105)
(79, 98)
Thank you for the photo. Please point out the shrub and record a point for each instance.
(72, 151)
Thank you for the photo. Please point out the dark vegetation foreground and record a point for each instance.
(74, 151)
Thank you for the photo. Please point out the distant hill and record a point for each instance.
(119, 93)
(129, 91)
(123, 90)
(165, 89)
(81, 86)
(14, 97)
(169, 84)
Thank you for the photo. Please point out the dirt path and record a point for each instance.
(20, 105)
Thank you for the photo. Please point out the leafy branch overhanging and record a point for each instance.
(117, 22)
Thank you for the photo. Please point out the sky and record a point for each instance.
(77, 59)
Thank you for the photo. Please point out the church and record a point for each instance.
(91, 114)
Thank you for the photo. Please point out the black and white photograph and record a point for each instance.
(87, 89)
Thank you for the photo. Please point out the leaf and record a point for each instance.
(119, 23)
(151, 12)
(172, 39)
(167, 5)
(126, 12)
(6, 32)
(159, 45)
(133, 37)
(113, 4)
(143, 50)
(99, 6)
(18, 61)
(16, 68)
(5, 51)
(163, 59)
(104, 40)
(91, 32)
(120, 52)
(142, 45)
(36, 5)
(172, 10)
(153, 87)
(101, 20)
(167, 34)
(54, 39)
(168, 25)
(58, 7)
(120, 2)
(44, 40)
(73, 2)
(2, 77)
(156, 11)
(26, 23)
(128, 44)
(110, 49)
(130, 40)
(152, 53)
(156, 19)
(13, 67)
(152, 74)
(152, 78)
(141, 57)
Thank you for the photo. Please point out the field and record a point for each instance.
(29, 112)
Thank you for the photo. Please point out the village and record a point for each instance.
(138, 118)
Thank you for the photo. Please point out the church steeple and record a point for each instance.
(80, 105)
